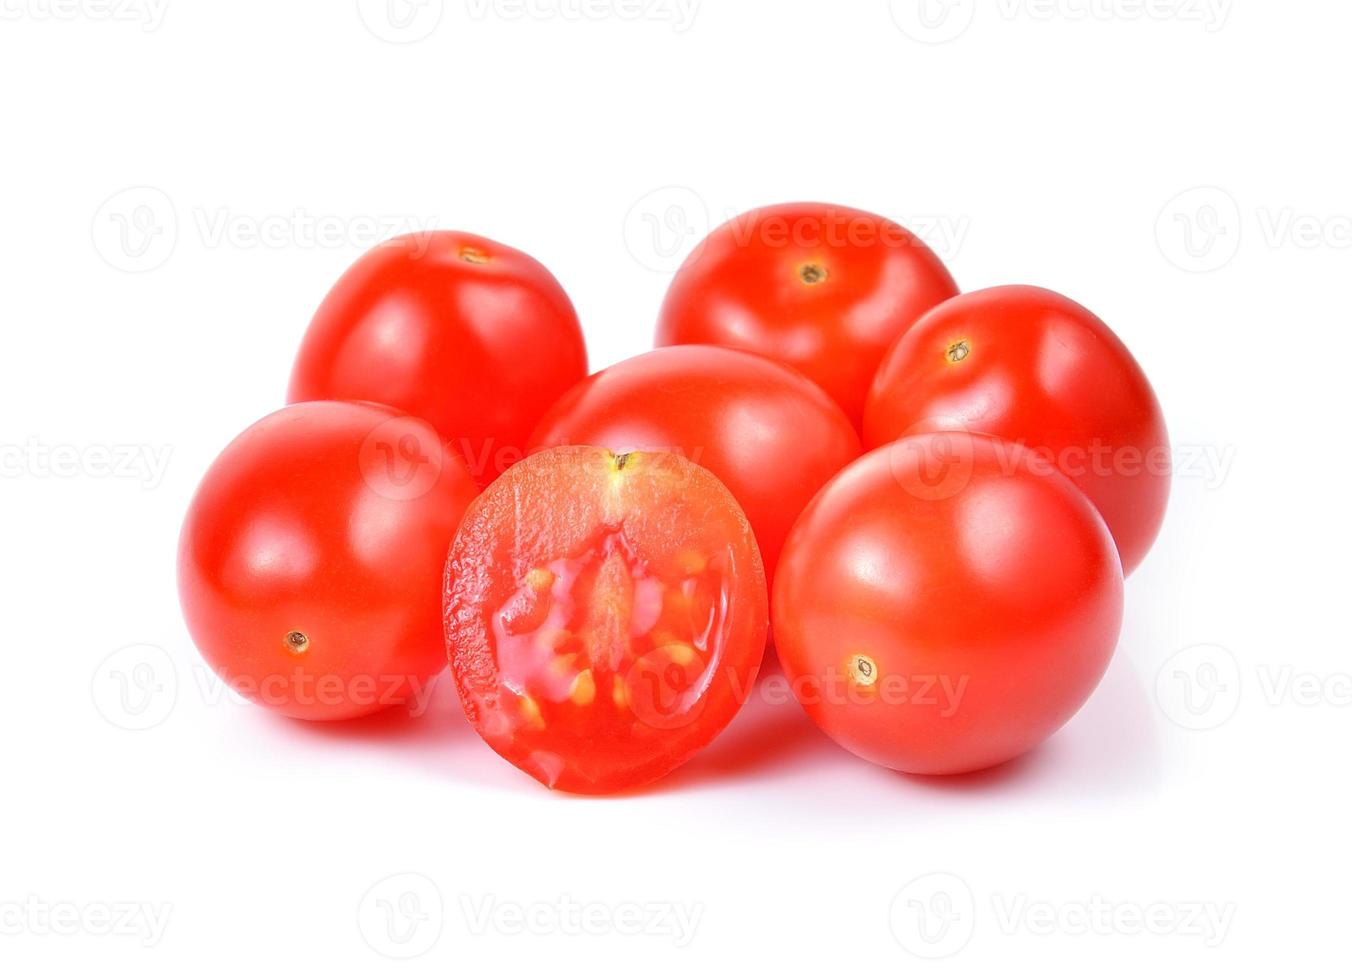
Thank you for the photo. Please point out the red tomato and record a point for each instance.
(310, 563)
(768, 433)
(822, 288)
(1033, 367)
(941, 606)
(605, 615)
(472, 336)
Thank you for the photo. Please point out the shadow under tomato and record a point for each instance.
(436, 716)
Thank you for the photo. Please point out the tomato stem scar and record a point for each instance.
(863, 670)
(958, 351)
(473, 255)
(297, 642)
(812, 273)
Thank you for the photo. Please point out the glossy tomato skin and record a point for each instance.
(473, 336)
(1034, 367)
(605, 615)
(310, 560)
(943, 605)
(823, 288)
(770, 435)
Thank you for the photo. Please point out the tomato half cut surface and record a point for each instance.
(605, 615)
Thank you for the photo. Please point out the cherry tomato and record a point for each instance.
(770, 435)
(310, 562)
(822, 288)
(942, 606)
(605, 615)
(474, 337)
(1034, 367)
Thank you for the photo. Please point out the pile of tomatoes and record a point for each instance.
(923, 502)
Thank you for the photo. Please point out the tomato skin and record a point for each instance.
(301, 527)
(473, 336)
(823, 288)
(1039, 369)
(986, 595)
(771, 436)
(605, 615)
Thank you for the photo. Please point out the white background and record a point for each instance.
(181, 185)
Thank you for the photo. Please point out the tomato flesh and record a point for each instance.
(767, 432)
(604, 615)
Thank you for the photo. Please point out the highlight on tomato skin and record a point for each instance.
(311, 556)
(473, 336)
(1034, 367)
(768, 433)
(604, 615)
(946, 603)
(823, 288)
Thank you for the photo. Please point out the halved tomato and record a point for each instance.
(605, 615)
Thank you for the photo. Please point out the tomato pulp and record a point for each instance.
(823, 288)
(769, 434)
(474, 337)
(1034, 367)
(942, 606)
(310, 560)
(604, 615)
